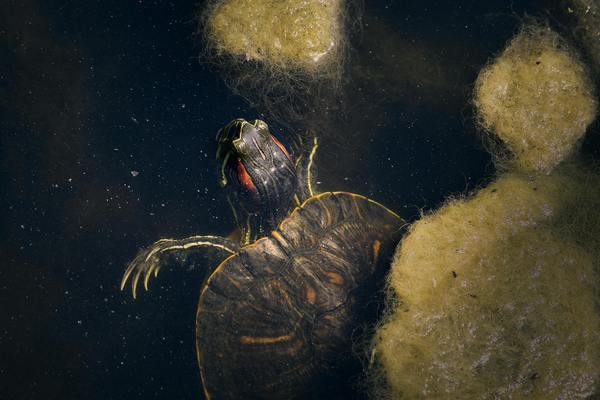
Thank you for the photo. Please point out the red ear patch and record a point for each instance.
(281, 146)
(243, 176)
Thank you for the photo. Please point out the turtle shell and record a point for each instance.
(274, 319)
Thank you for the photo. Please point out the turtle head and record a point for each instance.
(256, 170)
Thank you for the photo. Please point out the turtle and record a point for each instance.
(279, 304)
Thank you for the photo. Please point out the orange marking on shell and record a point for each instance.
(334, 278)
(234, 283)
(376, 247)
(311, 295)
(264, 339)
(279, 238)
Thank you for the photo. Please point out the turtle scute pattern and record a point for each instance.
(271, 318)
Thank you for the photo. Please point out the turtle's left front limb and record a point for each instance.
(151, 259)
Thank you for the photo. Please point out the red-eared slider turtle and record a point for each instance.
(276, 317)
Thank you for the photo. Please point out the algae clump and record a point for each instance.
(537, 97)
(498, 295)
(303, 34)
(286, 58)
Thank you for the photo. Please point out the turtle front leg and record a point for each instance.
(150, 260)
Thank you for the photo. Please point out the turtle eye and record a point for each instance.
(281, 146)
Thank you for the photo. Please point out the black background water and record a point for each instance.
(107, 127)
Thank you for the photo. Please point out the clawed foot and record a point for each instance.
(149, 261)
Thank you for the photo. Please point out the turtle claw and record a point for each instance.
(146, 262)
(149, 260)
(134, 283)
(147, 278)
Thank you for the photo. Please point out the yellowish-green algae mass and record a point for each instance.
(498, 294)
(304, 34)
(537, 97)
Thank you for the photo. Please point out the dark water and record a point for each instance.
(107, 127)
